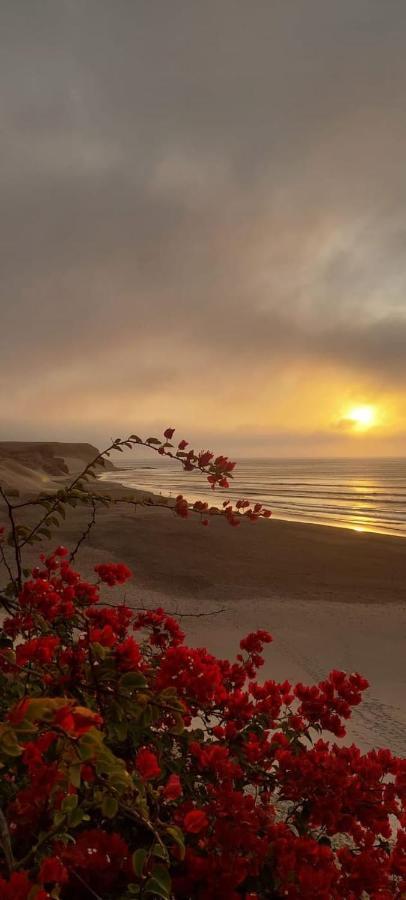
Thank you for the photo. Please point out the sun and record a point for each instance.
(362, 417)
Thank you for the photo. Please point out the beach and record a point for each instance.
(331, 597)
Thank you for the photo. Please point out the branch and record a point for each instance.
(5, 841)
(16, 545)
(85, 885)
(86, 532)
(213, 612)
(6, 563)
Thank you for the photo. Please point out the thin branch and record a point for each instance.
(6, 563)
(213, 612)
(9, 605)
(21, 863)
(5, 841)
(179, 615)
(85, 885)
(16, 543)
(68, 491)
(86, 532)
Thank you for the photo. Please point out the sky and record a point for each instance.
(203, 223)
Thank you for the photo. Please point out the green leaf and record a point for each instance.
(138, 860)
(161, 874)
(90, 744)
(120, 730)
(9, 744)
(59, 817)
(178, 836)
(109, 806)
(99, 651)
(76, 817)
(147, 717)
(133, 680)
(159, 883)
(161, 852)
(153, 440)
(75, 776)
(70, 803)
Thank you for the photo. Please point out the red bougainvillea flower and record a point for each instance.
(173, 788)
(168, 433)
(128, 655)
(104, 636)
(195, 821)
(101, 858)
(204, 458)
(39, 650)
(53, 871)
(18, 712)
(181, 507)
(19, 887)
(262, 794)
(113, 573)
(77, 720)
(147, 764)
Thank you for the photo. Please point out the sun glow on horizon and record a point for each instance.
(362, 417)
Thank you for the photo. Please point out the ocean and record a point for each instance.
(360, 494)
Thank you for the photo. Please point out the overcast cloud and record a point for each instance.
(199, 198)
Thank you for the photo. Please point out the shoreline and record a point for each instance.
(290, 559)
(361, 529)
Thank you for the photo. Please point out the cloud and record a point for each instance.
(197, 195)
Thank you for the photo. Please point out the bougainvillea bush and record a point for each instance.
(135, 766)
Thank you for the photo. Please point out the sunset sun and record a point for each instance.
(362, 417)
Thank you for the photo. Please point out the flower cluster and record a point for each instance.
(217, 469)
(134, 765)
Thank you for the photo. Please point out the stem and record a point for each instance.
(92, 669)
(5, 841)
(21, 863)
(85, 885)
(68, 491)
(16, 544)
(86, 532)
(7, 566)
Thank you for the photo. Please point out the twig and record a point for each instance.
(21, 863)
(9, 605)
(179, 615)
(5, 841)
(213, 612)
(16, 543)
(7, 564)
(85, 885)
(85, 534)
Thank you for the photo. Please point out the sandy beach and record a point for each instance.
(332, 598)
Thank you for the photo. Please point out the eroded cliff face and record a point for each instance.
(31, 464)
